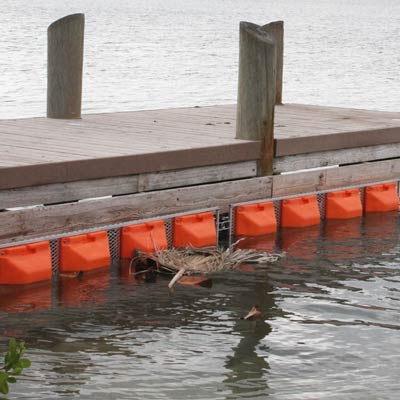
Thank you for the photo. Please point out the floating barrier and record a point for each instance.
(84, 252)
(255, 219)
(343, 204)
(197, 230)
(380, 198)
(147, 237)
(300, 212)
(25, 264)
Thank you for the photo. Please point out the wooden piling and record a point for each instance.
(257, 91)
(276, 28)
(64, 67)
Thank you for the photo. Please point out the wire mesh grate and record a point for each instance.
(114, 239)
(321, 198)
(55, 253)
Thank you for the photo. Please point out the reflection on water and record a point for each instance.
(329, 326)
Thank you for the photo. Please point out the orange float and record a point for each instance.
(25, 264)
(343, 204)
(146, 237)
(197, 230)
(380, 198)
(255, 219)
(84, 252)
(300, 212)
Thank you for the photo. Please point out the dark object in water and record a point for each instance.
(253, 314)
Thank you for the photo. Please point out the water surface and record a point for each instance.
(329, 329)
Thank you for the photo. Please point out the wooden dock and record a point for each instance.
(164, 161)
(65, 174)
(38, 151)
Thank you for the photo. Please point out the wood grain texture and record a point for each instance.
(41, 221)
(66, 192)
(336, 177)
(300, 182)
(64, 67)
(257, 91)
(196, 176)
(277, 30)
(337, 157)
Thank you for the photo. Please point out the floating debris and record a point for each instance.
(254, 313)
(205, 260)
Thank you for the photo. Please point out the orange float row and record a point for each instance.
(32, 262)
(259, 219)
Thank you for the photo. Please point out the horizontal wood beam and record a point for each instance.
(336, 157)
(71, 191)
(52, 220)
(337, 177)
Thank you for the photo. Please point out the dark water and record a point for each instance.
(330, 326)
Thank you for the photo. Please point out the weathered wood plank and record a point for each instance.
(364, 173)
(297, 183)
(66, 192)
(35, 223)
(336, 177)
(196, 176)
(336, 157)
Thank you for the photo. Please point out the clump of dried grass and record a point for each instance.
(206, 260)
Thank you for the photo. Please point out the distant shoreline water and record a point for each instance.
(149, 55)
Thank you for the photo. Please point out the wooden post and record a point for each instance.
(64, 67)
(256, 91)
(276, 29)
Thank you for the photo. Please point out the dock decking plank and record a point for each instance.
(49, 150)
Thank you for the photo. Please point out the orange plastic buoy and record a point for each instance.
(146, 237)
(379, 198)
(255, 219)
(300, 212)
(343, 204)
(25, 264)
(197, 230)
(84, 252)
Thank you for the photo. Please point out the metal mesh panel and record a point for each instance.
(362, 195)
(278, 213)
(224, 222)
(54, 247)
(114, 243)
(169, 229)
(321, 204)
